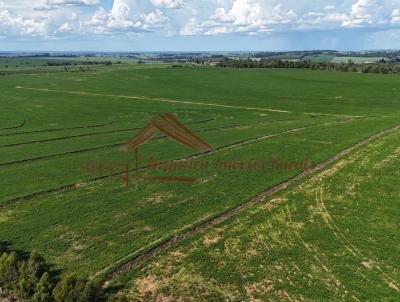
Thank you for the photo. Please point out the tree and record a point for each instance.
(9, 273)
(30, 274)
(73, 289)
(44, 289)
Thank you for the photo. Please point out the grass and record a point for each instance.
(358, 59)
(319, 58)
(333, 237)
(52, 123)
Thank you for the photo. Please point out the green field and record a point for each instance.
(13, 62)
(86, 223)
(319, 58)
(359, 59)
(335, 237)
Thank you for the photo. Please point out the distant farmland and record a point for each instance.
(359, 59)
(285, 232)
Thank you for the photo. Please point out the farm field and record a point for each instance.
(70, 192)
(333, 237)
(359, 59)
(12, 62)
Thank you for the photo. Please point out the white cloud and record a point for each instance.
(167, 3)
(12, 25)
(362, 13)
(396, 16)
(59, 4)
(121, 19)
(243, 16)
(155, 18)
(72, 2)
(206, 17)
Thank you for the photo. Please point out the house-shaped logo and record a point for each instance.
(170, 126)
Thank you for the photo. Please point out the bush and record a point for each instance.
(29, 279)
(73, 289)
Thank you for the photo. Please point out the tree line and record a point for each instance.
(381, 67)
(28, 278)
(69, 63)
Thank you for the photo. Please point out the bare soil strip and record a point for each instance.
(141, 259)
(75, 186)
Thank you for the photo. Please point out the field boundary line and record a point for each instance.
(185, 102)
(75, 186)
(144, 98)
(111, 271)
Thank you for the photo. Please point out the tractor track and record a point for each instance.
(13, 127)
(84, 135)
(44, 157)
(55, 129)
(188, 102)
(208, 224)
(238, 144)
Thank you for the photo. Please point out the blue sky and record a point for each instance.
(188, 25)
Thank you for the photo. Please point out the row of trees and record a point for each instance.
(69, 63)
(29, 279)
(384, 68)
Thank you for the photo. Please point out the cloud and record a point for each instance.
(174, 4)
(72, 2)
(121, 19)
(12, 25)
(395, 16)
(362, 13)
(57, 4)
(244, 16)
(193, 18)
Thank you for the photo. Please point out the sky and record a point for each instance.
(198, 25)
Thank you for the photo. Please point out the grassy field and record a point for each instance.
(359, 59)
(319, 58)
(334, 237)
(87, 223)
(12, 62)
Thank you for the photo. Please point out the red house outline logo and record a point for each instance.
(169, 125)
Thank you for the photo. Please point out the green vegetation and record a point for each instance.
(348, 65)
(88, 224)
(359, 59)
(320, 58)
(29, 279)
(333, 237)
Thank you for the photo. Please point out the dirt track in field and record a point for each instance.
(126, 264)
(165, 100)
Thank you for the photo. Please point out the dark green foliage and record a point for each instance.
(381, 67)
(31, 272)
(30, 280)
(3, 246)
(44, 289)
(73, 289)
(9, 271)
